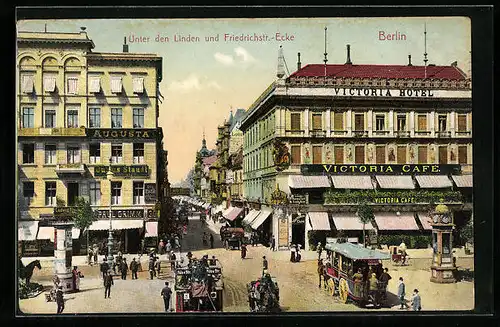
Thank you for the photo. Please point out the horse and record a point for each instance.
(26, 272)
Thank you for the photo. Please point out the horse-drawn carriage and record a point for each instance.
(349, 270)
(398, 255)
(263, 295)
(232, 237)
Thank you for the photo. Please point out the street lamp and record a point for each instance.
(109, 176)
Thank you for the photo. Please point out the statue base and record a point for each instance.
(443, 275)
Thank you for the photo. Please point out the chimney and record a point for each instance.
(348, 61)
(299, 65)
(125, 45)
(409, 60)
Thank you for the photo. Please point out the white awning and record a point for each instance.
(352, 182)
(433, 181)
(49, 83)
(300, 181)
(45, 233)
(227, 211)
(251, 216)
(116, 84)
(425, 220)
(395, 182)
(26, 230)
(349, 221)
(264, 214)
(462, 180)
(117, 224)
(138, 84)
(75, 233)
(319, 220)
(94, 84)
(391, 221)
(151, 229)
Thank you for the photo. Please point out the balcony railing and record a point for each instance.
(380, 133)
(402, 134)
(463, 133)
(77, 168)
(443, 134)
(317, 133)
(294, 132)
(339, 132)
(360, 133)
(422, 133)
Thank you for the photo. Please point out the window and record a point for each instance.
(401, 123)
(380, 154)
(72, 118)
(359, 122)
(379, 122)
(50, 118)
(94, 117)
(462, 154)
(401, 154)
(72, 85)
(442, 123)
(422, 154)
(138, 153)
(50, 193)
(296, 154)
(138, 84)
(50, 154)
(116, 84)
(116, 118)
(462, 123)
(29, 153)
(422, 123)
(28, 190)
(446, 239)
(443, 154)
(95, 193)
(28, 117)
(73, 154)
(138, 192)
(138, 117)
(339, 154)
(116, 153)
(49, 83)
(359, 154)
(116, 192)
(295, 121)
(27, 84)
(317, 154)
(316, 123)
(94, 153)
(94, 84)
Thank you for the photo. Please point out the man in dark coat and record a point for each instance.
(166, 292)
(273, 244)
(133, 268)
(108, 281)
(59, 300)
(124, 268)
(172, 260)
(384, 280)
(104, 268)
(264, 265)
(211, 241)
(401, 294)
(151, 267)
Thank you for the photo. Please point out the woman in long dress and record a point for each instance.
(292, 252)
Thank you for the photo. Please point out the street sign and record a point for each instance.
(150, 192)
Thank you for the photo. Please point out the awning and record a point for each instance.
(151, 229)
(227, 212)
(319, 220)
(433, 181)
(234, 213)
(395, 182)
(251, 216)
(425, 220)
(462, 180)
(352, 182)
(45, 233)
(300, 181)
(264, 214)
(349, 221)
(26, 230)
(391, 221)
(117, 224)
(75, 233)
(217, 209)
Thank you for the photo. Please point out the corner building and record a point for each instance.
(78, 112)
(346, 114)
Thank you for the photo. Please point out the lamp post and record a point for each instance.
(109, 176)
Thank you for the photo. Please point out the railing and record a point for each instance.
(317, 133)
(422, 133)
(380, 133)
(444, 134)
(70, 168)
(360, 133)
(294, 132)
(463, 133)
(402, 134)
(339, 132)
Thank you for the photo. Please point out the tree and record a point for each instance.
(467, 233)
(365, 215)
(83, 216)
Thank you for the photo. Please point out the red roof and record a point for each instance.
(209, 160)
(381, 71)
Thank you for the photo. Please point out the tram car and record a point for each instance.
(342, 275)
(232, 237)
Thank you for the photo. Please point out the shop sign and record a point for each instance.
(299, 199)
(283, 232)
(151, 213)
(381, 169)
(134, 170)
(124, 133)
(387, 200)
(124, 213)
(150, 192)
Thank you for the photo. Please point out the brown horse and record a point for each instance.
(26, 272)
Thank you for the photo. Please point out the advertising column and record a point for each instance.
(63, 252)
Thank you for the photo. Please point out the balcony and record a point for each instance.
(360, 133)
(380, 133)
(443, 134)
(463, 133)
(422, 133)
(77, 168)
(317, 133)
(339, 132)
(402, 133)
(294, 132)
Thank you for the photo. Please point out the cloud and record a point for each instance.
(193, 83)
(224, 59)
(215, 85)
(243, 54)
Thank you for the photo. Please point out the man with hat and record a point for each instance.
(172, 259)
(104, 267)
(59, 300)
(124, 268)
(319, 249)
(108, 281)
(166, 292)
(133, 268)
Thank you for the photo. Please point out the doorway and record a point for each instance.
(299, 233)
(72, 193)
(132, 241)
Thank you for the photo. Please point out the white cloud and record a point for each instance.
(224, 59)
(215, 85)
(193, 83)
(243, 54)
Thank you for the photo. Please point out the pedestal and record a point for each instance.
(443, 275)
(63, 255)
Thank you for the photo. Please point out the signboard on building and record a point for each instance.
(120, 171)
(127, 133)
(283, 232)
(121, 213)
(388, 169)
(299, 199)
(393, 199)
(180, 191)
(150, 192)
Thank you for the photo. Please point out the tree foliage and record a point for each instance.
(83, 216)
(467, 232)
(365, 213)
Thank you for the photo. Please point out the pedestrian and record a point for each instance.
(205, 243)
(292, 252)
(108, 281)
(161, 247)
(60, 300)
(298, 254)
(95, 252)
(384, 280)
(320, 271)
(158, 267)
(401, 294)
(415, 301)
(319, 249)
(264, 265)
(172, 260)
(168, 247)
(104, 268)
(211, 241)
(89, 257)
(358, 282)
(133, 268)
(76, 275)
(124, 269)
(213, 261)
(151, 267)
(166, 292)
(243, 251)
(273, 244)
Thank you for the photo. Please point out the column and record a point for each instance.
(432, 122)
(348, 122)
(391, 122)
(306, 121)
(452, 119)
(328, 122)
(411, 124)
(369, 123)
(63, 240)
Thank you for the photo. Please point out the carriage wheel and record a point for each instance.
(343, 290)
(331, 286)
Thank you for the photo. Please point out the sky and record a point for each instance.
(206, 79)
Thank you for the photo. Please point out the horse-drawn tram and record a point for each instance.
(353, 273)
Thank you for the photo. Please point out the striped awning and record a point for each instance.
(45, 233)
(117, 224)
(300, 181)
(234, 213)
(349, 221)
(462, 180)
(395, 182)
(319, 220)
(425, 220)
(151, 229)
(251, 216)
(433, 181)
(391, 221)
(259, 220)
(352, 182)
(227, 212)
(26, 230)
